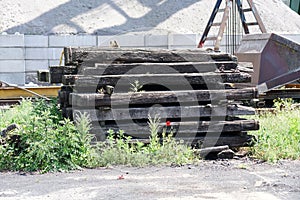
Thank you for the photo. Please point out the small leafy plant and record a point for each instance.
(46, 141)
(136, 86)
(283, 104)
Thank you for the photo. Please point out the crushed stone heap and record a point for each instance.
(119, 16)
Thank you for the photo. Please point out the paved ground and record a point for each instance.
(226, 179)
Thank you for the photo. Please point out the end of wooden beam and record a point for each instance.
(43, 75)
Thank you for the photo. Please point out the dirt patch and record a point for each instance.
(223, 179)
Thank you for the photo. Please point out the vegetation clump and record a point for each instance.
(46, 141)
(279, 133)
(42, 140)
(163, 150)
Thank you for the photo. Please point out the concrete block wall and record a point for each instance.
(12, 59)
(22, 55)
(170, 41)
(36, 55)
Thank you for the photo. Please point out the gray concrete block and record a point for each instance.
(198, 38)
(36, 53)
(123, 40)
(157, 47)
(12, 66)
(183, 47)
(224, 41)
(55, 62)
(13, 78)
(209, 43)
(36, 41)
(156, 40)
(54, 53)
(34, 65)
(183, 40)
(11, 40)
(11, 53)
(230, 39)
(72, 40)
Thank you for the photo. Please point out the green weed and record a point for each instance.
(46, 141)
(136, 86)
(279, 134)
(118, 150)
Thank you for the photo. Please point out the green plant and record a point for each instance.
(46, 142)
(136, 86)
(120, 150)
(153, 124)
(83, 125)
(279, 134)
(283, 104)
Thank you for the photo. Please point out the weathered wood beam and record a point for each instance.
(163, 79)
(70, 79)
(57, 72)
(67, 112)
(187, 128)
(97, 100)
(282, 93)
(231, 141)
(203, 151)
(158, 68)
(210, 141)
(43, 75)
(91, 56)
(167, 112)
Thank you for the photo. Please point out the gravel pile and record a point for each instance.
(122, 16)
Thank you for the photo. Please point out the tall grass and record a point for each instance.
(279, 134)
(159, 151)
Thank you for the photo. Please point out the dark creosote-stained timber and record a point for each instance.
(103, 114)
(163, 79)
(158, 68)
(97, 100)
(199, 95)
(92, 56)
(186, 127)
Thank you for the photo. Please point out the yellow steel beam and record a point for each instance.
(14, 93)
(292, 85)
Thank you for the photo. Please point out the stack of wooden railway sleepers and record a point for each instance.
(187, 89)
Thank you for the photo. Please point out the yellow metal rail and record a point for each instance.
(15, 93)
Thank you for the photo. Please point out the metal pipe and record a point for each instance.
(29, 91)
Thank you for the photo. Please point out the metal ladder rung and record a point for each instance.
(216, 24)
(211, 38)
(252, 23)
(247, 10)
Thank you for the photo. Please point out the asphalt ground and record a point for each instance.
(222, 179)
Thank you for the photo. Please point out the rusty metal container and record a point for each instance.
(275, 59)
